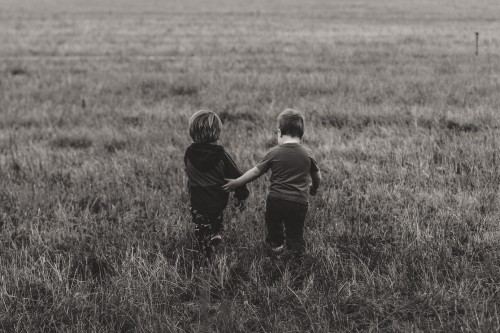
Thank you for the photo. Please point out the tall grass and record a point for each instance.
(94, 103)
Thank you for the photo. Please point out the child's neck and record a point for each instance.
(289, 139)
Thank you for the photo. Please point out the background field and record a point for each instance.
(402, 116)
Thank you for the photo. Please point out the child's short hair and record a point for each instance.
(291, 122)
(205, 126)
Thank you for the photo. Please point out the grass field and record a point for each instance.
(403, 118)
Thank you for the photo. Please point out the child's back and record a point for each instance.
(207, 164)
(290, 165)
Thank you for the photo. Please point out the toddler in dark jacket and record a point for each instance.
(207, 164)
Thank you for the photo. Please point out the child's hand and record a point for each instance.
(230, 185)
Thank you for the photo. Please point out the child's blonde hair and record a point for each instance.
(205, 126)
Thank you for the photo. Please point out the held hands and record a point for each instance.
(230, 185)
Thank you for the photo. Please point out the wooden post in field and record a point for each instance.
(477, 43)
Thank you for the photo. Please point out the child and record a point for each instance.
(291, 164)
(207, 164)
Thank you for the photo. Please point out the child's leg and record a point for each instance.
(274, 221)
(206, 226)
(294, 227)
(201, 227)
(216, 229)
(216, 222)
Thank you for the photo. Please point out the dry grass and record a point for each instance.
(403, 118)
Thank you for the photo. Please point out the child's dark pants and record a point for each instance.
(206, 225)
(292, 215)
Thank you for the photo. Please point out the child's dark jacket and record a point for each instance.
(206, 166)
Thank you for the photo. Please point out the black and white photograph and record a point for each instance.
(249, 166)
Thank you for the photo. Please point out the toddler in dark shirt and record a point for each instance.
(291, 165)
(207, 165)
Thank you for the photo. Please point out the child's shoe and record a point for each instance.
(215, 240)
(278, 249)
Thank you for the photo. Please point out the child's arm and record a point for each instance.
(247, 177)
(316, 180)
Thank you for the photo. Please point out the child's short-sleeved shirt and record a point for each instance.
(290, 164)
